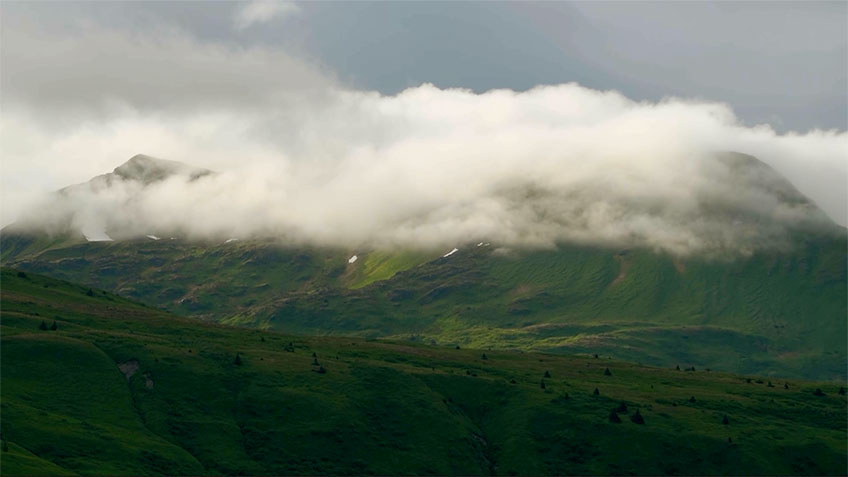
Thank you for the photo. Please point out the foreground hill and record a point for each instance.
(122, 388)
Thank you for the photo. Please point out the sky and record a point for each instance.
(303, 90)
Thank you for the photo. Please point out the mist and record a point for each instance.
(304, 158)
(431, 168)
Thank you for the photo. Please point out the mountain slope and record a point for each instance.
(121, 388)
(778, 309)
(775, 313)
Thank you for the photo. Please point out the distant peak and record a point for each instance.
(147, 169)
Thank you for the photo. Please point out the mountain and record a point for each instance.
(72, 216)
(777, 311)
(121, 388)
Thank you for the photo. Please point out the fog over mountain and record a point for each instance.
(300, 155)
(433, 168)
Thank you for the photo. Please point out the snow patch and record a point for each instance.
(152, 237)
(230, 240)
(352, 259)
(96, 235)
(450, 253)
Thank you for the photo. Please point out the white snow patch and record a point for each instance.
(231, 240)
(352, 259)
(480, 244)
(450, 253)
(152, 237)
(98, 235)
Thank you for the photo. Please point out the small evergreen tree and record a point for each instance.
(542, 384)
(785, 385)
(621, 407)
(692, 399)
(596, 355)
(315, 362)
(484, 356)
(725, 420)
(90, 292)
(818, 392)
(613, 417)
(637, 418)
(841, 391)
(314, 355)
(607, 372)
(596, 392)
(53, 326)
(321, 370)
(42, 326)
(20, 275)
(770, 384)
(547, 374)
(237, 361)
(677, 367)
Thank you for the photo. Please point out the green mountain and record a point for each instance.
(777, 311)
(121, 388)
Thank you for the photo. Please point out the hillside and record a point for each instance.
(122, 388)
(776, 309)
(777, 313)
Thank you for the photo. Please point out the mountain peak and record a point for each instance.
(148, 169)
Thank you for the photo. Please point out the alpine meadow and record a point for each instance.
(400, 238)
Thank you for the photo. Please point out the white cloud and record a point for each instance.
(306, 160)
(262, 11)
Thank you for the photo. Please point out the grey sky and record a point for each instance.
(781, 63)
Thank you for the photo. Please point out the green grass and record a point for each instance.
(780, 313)
(382, 407)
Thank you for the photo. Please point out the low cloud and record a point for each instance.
(304, 159)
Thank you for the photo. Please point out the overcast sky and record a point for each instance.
(84, 84)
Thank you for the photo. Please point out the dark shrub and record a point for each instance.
(321, 370)
(53, 326)
(237, 361)
(484, 356)
(637, 417)
(542, 384)
(90, 292)
(841, 391)
(613, 417)
(547, 374)
(596, 392)
(607, 372)
(20, 275)
(42, 326)
(818, 392)
(692, 399)
(621, 408)
(725, 420)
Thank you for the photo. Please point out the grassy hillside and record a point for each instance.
(121, 388)
(779, 313)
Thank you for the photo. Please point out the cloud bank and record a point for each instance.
(304, 159)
